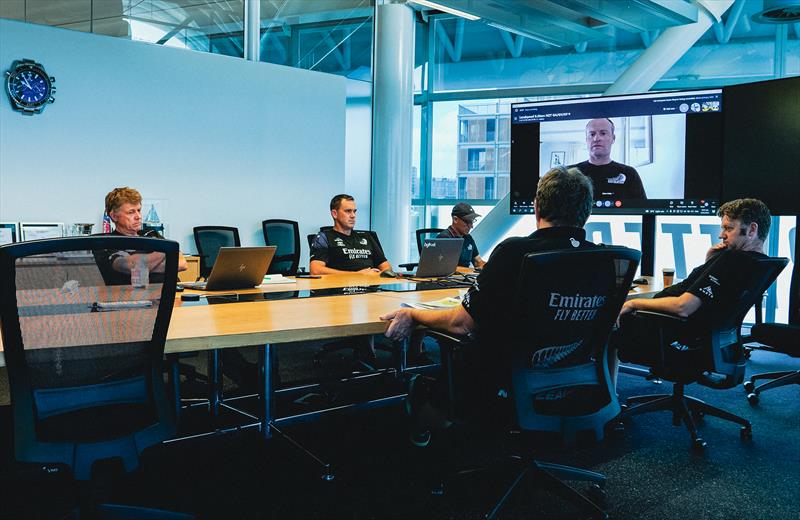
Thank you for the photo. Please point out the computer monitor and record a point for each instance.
(665, 148)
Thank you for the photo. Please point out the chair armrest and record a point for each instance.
(449, 338)
(409, 266)
(662, 318)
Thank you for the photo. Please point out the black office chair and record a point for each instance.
(709, 353)
(85, 359)
(208, 240)
(565, 305)
(778, 337)
(285, 234)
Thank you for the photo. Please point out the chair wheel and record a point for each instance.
(752, 399)
(746, 433)
(699, 444)
(597, 495)
(749, 386)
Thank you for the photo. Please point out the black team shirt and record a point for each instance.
(347, 253)
(613, 181)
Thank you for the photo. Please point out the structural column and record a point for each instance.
(252, 30)
(392, 126)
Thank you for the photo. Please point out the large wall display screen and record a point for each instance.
(656, 153)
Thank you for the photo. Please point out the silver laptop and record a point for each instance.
(236, 268)
(439, 257)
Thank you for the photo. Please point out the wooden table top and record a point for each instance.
(203, 327)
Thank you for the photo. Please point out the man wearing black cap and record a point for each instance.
(463, 220)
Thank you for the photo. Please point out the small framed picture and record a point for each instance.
(39, 230)
(9, 232)
(557, 159)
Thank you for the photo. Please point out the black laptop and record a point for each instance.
(439, 257)
(236, 268)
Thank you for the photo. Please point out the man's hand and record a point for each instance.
(401, 326)
(715, 250)
(627, 308)
(369, 270)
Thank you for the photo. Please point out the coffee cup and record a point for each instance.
(669, 275)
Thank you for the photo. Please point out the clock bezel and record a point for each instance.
(19, 67)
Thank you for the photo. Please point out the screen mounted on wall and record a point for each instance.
(657, 153)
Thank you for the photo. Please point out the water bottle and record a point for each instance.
(140, 272)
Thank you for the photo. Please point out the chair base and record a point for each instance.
(778, 379)
(549, 476)
(685, 409)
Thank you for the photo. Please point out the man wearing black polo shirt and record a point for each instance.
(342, 249)
(744, 228)
(463, 221)
(612, 181)
(562, 205)
(124, 208)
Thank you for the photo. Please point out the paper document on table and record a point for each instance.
(444, 303)
(276, 278)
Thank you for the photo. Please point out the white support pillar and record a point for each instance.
(392, 128)
(667, 49)
(252, 30)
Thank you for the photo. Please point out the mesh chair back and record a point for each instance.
(425, 233)
(566, 304)
(83, 357)
(724, 325)
(209, 239)
(285, 235)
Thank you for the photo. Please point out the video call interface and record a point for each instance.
(657, 153)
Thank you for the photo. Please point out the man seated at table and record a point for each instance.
(562, 205)
(743, 230)
(341, 248)
(124, 208)
(463, 221)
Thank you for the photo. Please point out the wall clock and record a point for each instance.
(29, 87)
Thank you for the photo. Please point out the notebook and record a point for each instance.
(236, 268)
(439, 257)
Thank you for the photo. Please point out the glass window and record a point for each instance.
(416, 185)
(787, 236)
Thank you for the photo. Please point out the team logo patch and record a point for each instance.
(619, 179)
(363, 241)
(339, 242)
(708, 291)
(574, 242)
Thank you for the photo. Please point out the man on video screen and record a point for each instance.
(611, 180)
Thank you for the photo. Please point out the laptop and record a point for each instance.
(236, 268)
(439, 257)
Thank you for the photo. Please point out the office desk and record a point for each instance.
(209, 327)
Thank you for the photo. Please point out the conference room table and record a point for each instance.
(297, 314)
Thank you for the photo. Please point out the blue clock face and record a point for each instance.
(29, 86)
